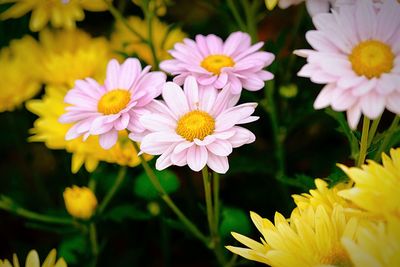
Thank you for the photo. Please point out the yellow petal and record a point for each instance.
(61, 263)
(50, 259)
(77, 162)
(15, 260)
(17, 10)
(270, 4)
(39, 19)
(33, 259)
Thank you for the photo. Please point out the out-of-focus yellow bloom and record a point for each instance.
(69, 55)
(47, 129)
(377, 187)
(376, 245)
(80, 202)
(61, 13)
(311, 238)
(18, 73)
(32, 260)
(126, 42)
(159, 7)
(271, 4)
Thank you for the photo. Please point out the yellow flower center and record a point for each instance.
(371, 58)
(214, 63)
(337, 257)
(195, 124)
(113, 101)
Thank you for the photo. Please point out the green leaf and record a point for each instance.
(143, 188)
(302, 181)
(234, 220)
(71, 247)
(337, 176)
(126, 212)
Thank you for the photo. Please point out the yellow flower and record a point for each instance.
(322, 195)
(61, 13)
(47, 129)
(376, 187)
(80, 202)
(18, 73)
(32, 260)
(271, 4)
(69, 55)
(377, 245)
(310, 238)
(159, 7)
(124, 41)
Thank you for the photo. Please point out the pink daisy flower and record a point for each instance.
(357, 55)
(105, 110)
(215, 63)
(196, 127)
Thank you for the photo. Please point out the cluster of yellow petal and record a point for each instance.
(49, 130)
(159, 7)
(61, 13)
(32, 260)
(346, 225)
(164, 38)
(80, 202)
(18, 73)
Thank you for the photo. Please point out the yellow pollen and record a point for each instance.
(337, 257)
(214, 63)
(195, 124)
(114, 101)
(371, 58)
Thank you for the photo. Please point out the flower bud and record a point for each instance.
(80, 202)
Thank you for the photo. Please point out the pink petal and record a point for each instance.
(191, 90)
(197, 157)
(207, 97)
(157, 122)
(217, 163)
(128, 73)
(108, 139)
(353, 116)
(324, 98)
(175, 99)
(164, 161)
(372, 105)
(111, 81)
(220, 148)
(242, 136)
(122, 122)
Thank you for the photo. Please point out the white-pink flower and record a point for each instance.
(357, 55)
(104, 110)
(314, 7)
(196, 127)
(215, 63)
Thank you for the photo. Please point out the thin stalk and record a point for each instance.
(236, 15)
(118, 16)
(35, 216)
(373, 129)
(250, 16)
(118, 181)
(209, 205)
(93, 243)
(383, 147)
(165, 197)
(364, 142)
(216, 182)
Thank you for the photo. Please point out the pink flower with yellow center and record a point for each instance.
(104, 110)
(215, 63)
(357, 55)
(195, 127)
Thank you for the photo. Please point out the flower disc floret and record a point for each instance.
(195, 124)
(214, 63)
(114, 101)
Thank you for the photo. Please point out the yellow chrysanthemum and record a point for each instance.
(32, 260)
(322, 195)
(376, 187)
(80, 202)
(47, 129)
(68, 55)
(377, 245)
(310, 238)
(271, 4)
(61, 13)
(124, 41)
(18, 73)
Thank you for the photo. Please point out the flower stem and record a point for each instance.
(118, 181)
(250, 19)
(388, 136)
(364, 142)
(216, 200)
(236, 15)
(372, 130)
(207, 192)
(165, 197)
(7, 204)
(93, 243)
(148, 14)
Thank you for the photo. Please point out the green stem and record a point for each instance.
(118, 181)
(216, 200)
(118, 16)
(165, 197)
(93, 243)
(373, 129)
(388, 136)
(149, 17)
(8, 205)
(250, 19)
(208, 197)
(364, 142)
(236, 15)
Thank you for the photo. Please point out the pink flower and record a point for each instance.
(357, 55)
(196, 127)
(105, 110)
(314, 7)
(215, 63)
